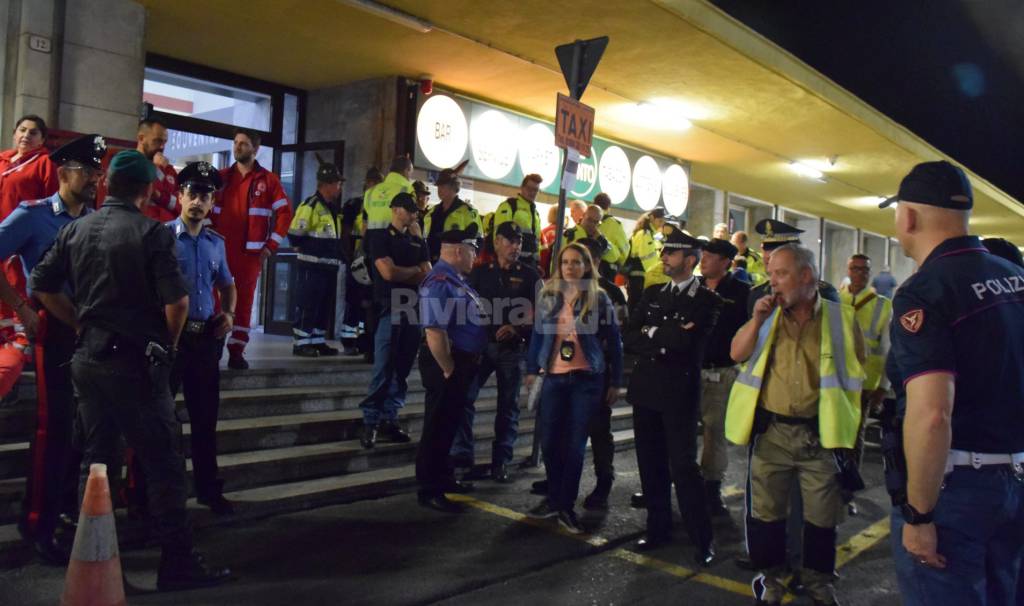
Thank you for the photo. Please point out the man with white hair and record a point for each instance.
(796, 400)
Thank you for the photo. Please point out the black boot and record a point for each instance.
(188, 571)
(369, 437)
(716, 507)
(598, 498)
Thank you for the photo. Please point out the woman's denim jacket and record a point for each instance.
(598, 335)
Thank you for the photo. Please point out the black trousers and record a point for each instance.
(315, 285)
(602, 442)
(197, 373)
(446, 401)
(52, 484)
(120, 394)
(666, 451)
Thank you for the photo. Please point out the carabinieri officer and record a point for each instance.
(956, 363)
(51, 488)
(196, 370)
(773, 235)
(668, 332)
(455, 331)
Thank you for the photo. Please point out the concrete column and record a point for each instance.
(29, 73)
(720, 211)
(103, 66)
(363, 115)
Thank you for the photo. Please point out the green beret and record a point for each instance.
(132, 165)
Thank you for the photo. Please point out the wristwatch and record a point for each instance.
(914, 517)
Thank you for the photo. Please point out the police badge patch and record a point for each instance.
(912, 320)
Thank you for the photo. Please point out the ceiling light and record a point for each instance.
(660, 115)
(807, 171)
(391, 14)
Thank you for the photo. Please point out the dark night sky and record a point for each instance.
(952, 71)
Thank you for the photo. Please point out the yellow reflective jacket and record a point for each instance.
(524, 214)
(316, 232)
(873, 313)
(842, 378)
(377, 200)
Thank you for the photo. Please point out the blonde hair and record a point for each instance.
(644, 222)
(589, 287)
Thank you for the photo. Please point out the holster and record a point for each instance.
(894, 462)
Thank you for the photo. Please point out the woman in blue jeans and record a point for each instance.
(574, 325)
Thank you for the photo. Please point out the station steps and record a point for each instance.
(288, 439)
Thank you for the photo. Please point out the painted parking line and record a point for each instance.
(620, 553)
(861, 542)
(846, 552)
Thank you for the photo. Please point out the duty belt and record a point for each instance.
(812, 421)
(195, 327)
(977, 460)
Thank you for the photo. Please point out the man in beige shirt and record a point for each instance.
(787, 425)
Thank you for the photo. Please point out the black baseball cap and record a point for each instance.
(328, 172)
(721, 247)
(510, 230)
(935, 184)
(405, 200)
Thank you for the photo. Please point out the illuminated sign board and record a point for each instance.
(503, 146)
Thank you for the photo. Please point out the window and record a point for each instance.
(840, 243)
(195, 98)
(746, 214)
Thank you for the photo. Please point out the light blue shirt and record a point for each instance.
(204, 265)
(32, 227)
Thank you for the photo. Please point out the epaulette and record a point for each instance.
(34, 203)
(213, 232)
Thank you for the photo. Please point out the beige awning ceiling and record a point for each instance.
(754, 108)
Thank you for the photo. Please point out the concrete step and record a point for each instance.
(255, 503)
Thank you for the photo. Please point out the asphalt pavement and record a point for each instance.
(391, 551)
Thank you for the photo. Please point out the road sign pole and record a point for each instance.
(574, 74)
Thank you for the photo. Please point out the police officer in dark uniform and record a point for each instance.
(203, 263)
(455, 335)
(719, 371)
(400, 262)
(508, 289)
(129, 304)
(52, 485)
(668, 332)
(773, 235)
(956, 364)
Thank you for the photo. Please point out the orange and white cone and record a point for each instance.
(94, 573)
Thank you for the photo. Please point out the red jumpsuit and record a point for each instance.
(252, 213)
(31, 177)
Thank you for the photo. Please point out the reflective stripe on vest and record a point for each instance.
(841, 380)
(874, 366)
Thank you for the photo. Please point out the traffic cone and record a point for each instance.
(94, 573)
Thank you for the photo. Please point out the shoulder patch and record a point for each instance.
(912, 320)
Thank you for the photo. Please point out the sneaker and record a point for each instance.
(542, 511)
(567, 520)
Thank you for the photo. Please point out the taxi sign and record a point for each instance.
(574, 125)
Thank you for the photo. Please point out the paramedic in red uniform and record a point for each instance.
(26, 173)
(151, 139)
(253, 215)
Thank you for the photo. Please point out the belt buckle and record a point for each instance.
(976, 460)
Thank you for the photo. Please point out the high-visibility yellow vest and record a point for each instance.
(755, 267)
(377, 200)
(524, 214)
(873, 315)
(841, 373)
(611, 228)
(646, 248)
